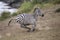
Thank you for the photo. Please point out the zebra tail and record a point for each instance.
(10, 22)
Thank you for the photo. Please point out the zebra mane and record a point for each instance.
(36, 9)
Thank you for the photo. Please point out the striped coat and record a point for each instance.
(28, 19)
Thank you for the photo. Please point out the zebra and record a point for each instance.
(28, 19)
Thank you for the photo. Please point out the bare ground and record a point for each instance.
(48, 28)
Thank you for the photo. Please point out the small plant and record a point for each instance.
(14, 14)
(5, 15)
(36, 1)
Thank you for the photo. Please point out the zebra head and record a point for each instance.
(37, 12)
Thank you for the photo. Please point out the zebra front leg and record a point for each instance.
(33, 28)
(24, 26)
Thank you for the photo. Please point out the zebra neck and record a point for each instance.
(35, 16)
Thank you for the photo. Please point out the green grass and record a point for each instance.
(14, 14)
(5, 15)
(25, 7)
(46, 5)
(28, 6)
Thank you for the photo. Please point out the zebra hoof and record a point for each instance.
(31, 30)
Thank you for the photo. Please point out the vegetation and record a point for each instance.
(14, 14)
(27, 6)
(46, 1)
(5, 15)
(56, 1)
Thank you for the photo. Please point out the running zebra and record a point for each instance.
(28, 19)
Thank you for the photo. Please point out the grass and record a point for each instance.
(28, 7)
(14, 14)
(5, 15)
(46, 5)
(25, 7)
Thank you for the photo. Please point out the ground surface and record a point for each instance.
(48, 28)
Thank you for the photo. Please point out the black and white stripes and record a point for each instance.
(28, 19)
